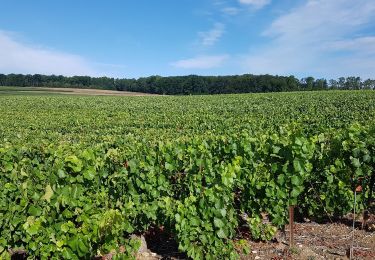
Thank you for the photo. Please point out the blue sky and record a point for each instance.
(135, 38)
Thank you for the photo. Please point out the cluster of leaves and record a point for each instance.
(70, 201)
(55, 203)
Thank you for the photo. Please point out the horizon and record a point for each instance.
(189, 75)
(128, 39)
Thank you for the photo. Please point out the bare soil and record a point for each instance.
(317, 241)
(330, 240)
(89, 92)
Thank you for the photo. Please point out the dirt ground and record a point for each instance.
(90, 92)
(317, 241)
(312, 241)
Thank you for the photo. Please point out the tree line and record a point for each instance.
(191, 84)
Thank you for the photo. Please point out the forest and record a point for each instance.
(191, 84)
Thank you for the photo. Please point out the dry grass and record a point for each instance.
(69, 91)
(89, 92)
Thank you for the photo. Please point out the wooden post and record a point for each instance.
(352, 244)
(369, 200)
(291, 226)
(365, 217)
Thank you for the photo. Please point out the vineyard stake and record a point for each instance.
(369, 200)
(291, 226)
(352, 245)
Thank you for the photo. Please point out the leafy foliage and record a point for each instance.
(75, 198)
(191, 84)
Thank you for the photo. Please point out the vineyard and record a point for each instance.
(81, 174)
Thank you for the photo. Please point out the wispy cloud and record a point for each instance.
(255, 3)
(18, 57)
(323, 38)
(210, 37)
(230, 10)
(364, 45)
(201, 62)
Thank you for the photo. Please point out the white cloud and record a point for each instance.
(17, 57)
(230, 10)
(201, 62)
(210, 37)
(364, 45)
(322, 38)
(255, 3)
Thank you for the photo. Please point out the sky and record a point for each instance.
(139, 38)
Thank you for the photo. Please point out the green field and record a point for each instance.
(80, 174)
(76, 118)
